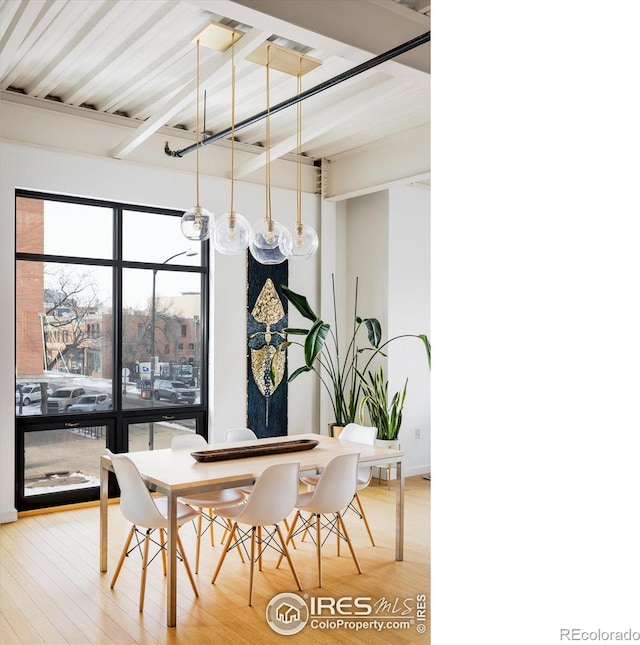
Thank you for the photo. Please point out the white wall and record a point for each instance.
(368, 256)
(368, 260)
(389, 250)
(409, 313)
(71, 173)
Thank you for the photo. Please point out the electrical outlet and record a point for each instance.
(417, 433)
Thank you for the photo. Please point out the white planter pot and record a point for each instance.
(387, 472)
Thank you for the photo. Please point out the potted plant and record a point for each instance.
(385, 415)
(337, 370)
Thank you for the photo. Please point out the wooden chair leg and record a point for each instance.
(364, 519)
(186, 565)
(289, 535)
(239, 547)
(223, 555)
(346, 535)
(211, 532)
(198, 534)
(143, 576)
(319, 548)
(224, 534)
(123, 555)
(259, 548)
(253, 550)
(288, 556)
(286, 523)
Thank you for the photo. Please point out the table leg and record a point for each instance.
(104, 515)
(400, 513)
(172, 508)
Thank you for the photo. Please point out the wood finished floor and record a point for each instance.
(51, 590)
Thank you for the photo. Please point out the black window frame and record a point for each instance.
(117, 420)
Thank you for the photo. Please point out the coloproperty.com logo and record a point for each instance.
(288, 613)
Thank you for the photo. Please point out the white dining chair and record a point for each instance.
(333, 491)
(239, 434)
(272, 499)
(206, 503)
(358, 434)
(142, 510)
(246, 434)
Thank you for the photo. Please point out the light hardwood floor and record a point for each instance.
(51, 590)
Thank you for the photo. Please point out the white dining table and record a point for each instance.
(175, 473)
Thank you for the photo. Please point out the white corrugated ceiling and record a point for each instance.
(136, 58)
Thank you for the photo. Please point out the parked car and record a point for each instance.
(91, 403)
(175, 391)
(62, 399)
(31, 393)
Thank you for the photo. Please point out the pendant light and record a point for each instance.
(232, 231)
(196, 222)
(304, 242)
(267, 241)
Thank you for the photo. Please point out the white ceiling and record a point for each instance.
(136, 58)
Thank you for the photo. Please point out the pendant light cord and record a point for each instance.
(233, 126)
(198, 127)
(298, 153)
(268, 142)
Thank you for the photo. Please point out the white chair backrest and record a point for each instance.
(359, 434)
(188, 441)
(136, 503)
(273, 496)
(337, 485)
(239, 434)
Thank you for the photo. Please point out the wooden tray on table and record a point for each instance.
(255, 450)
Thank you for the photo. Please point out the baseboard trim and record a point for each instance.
(418, 470)
(8, 516)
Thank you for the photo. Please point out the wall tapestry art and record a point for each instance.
(266, 320)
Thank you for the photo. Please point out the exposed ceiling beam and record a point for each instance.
(379, 166)
(331, 118)
(335, 27)
(208, 73)
(419, 7)
(312, 91)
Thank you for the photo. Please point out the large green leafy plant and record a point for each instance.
(338, 370)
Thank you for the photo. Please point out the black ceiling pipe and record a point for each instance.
(350, 73)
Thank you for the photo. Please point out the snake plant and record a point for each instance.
(384, 415)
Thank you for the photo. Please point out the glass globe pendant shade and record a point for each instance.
(196, 223)
(268, 241)
(304, 242)
(231, 234)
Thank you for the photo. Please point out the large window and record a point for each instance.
(109, 336)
